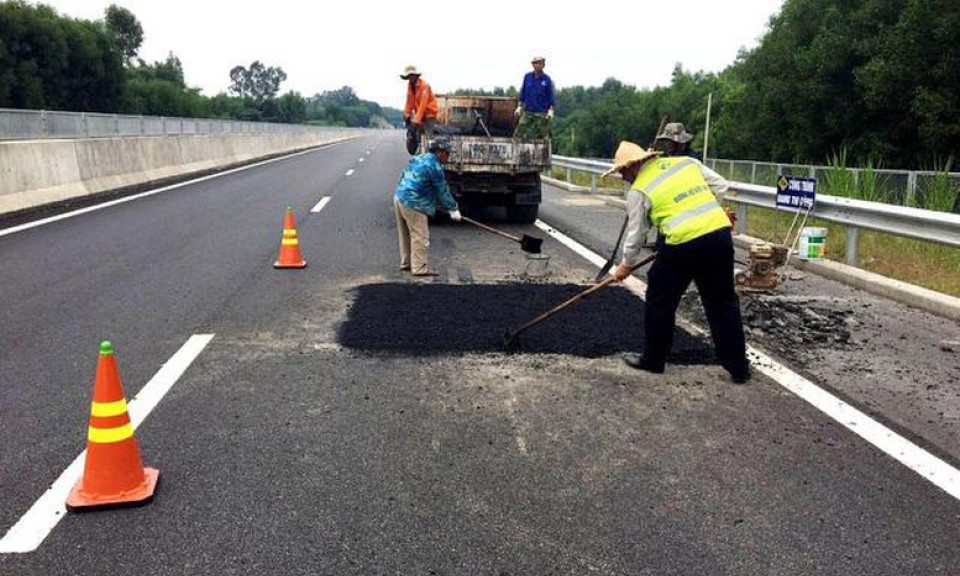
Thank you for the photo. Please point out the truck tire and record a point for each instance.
(523, 214)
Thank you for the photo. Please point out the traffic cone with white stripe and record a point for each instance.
(290, 256)
(113, 474)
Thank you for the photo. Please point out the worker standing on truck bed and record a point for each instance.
(422, 186)
(536, 103)
(420, 111)
(677, 195)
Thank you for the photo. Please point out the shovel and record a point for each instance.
(527, 243)
(613, 255)
(510, 336)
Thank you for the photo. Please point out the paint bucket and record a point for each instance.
(537, 265)
(813, 243)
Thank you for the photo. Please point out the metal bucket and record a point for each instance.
(537, 265)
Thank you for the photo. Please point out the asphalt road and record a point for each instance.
(295, 445)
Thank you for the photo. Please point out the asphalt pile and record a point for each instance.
(433, 319)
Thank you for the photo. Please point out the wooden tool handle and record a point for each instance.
(489, 228)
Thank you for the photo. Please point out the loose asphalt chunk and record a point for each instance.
(433, 319)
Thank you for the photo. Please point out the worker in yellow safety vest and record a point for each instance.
(679, 196)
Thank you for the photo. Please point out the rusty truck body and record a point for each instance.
(488, 166)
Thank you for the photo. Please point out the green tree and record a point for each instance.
(126, 29)
(258, 82)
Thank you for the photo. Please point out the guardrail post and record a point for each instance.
(741, 218)
(83, 124)
(753, 173)
(569, 175)
(911, 199)
(44, 124)
(593, 183)
(853, 237)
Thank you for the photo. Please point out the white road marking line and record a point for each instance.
(349, 172)
(65, 215)
(935, 470)
(323, 202)
(361, 160)
(34, 526)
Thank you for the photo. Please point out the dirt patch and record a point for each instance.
(431, 319)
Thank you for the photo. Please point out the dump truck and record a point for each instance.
(488, 166)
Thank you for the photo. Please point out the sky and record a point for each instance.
(327, 45)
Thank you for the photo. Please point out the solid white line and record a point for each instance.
(65, 215)
(938, 472)
(323, 202)
(31, 530)
(349, 172)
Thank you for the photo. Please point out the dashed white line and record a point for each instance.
(361, 159)
(323, 202)
(935, 470)
(349, 172)
(31, 530)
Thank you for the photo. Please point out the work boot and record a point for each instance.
(740, 377)
(639, 362)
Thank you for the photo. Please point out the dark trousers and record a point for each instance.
(708, 262)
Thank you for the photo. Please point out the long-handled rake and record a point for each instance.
(510, 336)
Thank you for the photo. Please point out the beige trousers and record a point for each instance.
(413, 231)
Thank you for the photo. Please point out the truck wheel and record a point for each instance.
(523, 214)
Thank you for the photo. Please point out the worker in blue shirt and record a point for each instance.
(422, 186)
(536, 103)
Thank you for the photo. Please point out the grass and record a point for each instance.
(933, 266)
(583, 179)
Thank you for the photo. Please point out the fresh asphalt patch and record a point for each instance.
(433, 319)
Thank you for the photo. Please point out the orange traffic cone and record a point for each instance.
(113, 474)
(290, 246)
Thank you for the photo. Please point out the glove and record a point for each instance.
(550, 114)
(455, 215)
(518, 111)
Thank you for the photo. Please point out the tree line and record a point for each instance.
(51, 61)
(873, 82)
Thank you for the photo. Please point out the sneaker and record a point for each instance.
(638, 362)
(740, 378)
(405, 267)
(426, 272)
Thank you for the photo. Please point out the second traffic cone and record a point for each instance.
(290, 256)
(113, 474)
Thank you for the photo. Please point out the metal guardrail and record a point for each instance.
(903, 187)
(928, 225)
(40, 124)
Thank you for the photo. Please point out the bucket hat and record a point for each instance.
(676, 132)
(409, 71)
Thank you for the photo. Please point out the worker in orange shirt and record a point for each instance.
(420, 111)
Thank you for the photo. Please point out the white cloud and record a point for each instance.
(324, 46)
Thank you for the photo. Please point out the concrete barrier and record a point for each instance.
(35, 173)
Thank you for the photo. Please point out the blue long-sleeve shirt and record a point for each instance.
(536, 94)
(423, 185)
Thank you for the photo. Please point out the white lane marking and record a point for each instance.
(360, 160)
(349, 172)
(65, 215)
(31, 530)
(323, 202)
(935, 470)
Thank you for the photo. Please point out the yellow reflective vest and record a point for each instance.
(682, 206)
